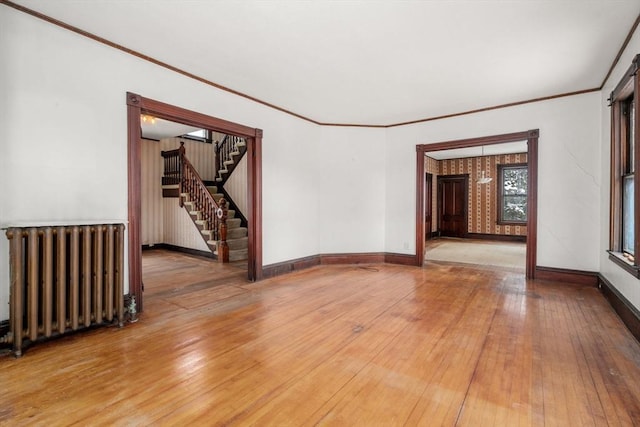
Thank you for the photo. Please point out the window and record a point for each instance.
(512, 194)
(623, 244)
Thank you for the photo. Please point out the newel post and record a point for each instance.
(181, 151)
(223, 247)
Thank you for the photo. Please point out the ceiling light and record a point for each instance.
(148, 119)
(484, 179)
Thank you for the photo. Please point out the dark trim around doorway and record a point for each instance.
(137, 105)
(531, 136)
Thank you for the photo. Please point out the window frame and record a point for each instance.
(500, 193)
(621, 148)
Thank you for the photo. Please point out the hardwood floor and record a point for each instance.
(338, 345)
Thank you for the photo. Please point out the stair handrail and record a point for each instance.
(224, 148)
(200, 195)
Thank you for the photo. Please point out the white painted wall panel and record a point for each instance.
(236, 186)
(351, 170)
(179, 230)
(6, 116)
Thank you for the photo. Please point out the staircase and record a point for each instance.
(223, 230)
(237, 239)
(228, 155)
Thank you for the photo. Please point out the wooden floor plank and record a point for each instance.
(340, 345)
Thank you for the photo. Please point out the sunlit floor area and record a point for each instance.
(510, 255)
(339, 345)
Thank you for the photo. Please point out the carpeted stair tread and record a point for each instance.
(236, 233)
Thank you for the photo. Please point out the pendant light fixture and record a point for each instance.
(483, 179)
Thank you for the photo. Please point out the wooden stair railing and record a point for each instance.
(212, 216)
(173, 165)
(229, 152)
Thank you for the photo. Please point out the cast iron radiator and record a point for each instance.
(63, 279)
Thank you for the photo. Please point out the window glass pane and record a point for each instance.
(200, 133)
(514, 208)
(514, 194)
(628, 237)
(515, 181)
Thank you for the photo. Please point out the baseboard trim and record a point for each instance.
(578, 277)
(629, 315)
(355, 258)
(497, 237)
(284, 267)
(401, 259)
(175, 248)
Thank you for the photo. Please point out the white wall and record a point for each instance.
(623, 281)
(568, 182)
(350, 173)
(5, 117)
(178, 228)
(236, 186)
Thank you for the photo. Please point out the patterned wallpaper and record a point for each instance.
(163, 220)
(431, 166)
(482, 201)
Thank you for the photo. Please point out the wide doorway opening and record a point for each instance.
(477, 201)
(141, 109)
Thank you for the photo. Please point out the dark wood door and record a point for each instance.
(452, 205)
(428, 206)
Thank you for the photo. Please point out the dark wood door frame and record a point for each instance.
(531, 136)
(428, 203)
(137, 105)
(465, 178)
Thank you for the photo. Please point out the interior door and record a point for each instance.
(452, 205)
(428, 208)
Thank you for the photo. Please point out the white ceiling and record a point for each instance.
(370, 62)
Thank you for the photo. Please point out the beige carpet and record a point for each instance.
(500, 254)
